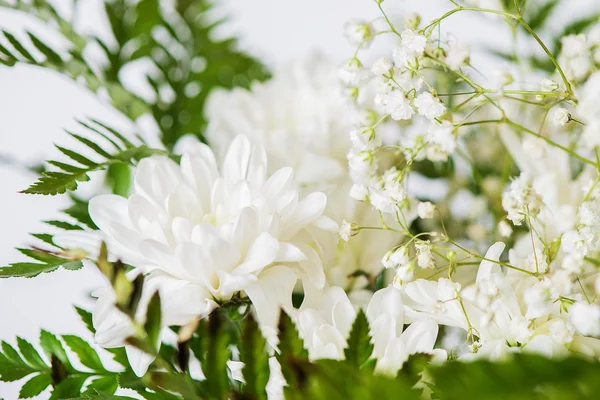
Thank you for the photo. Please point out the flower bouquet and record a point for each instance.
(402, 225)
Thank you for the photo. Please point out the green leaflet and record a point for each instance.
(256, 360)
(359, 348)
(86, 353)
(116, 151)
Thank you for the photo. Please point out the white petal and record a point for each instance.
(262, 252)
(139, 360)
(237, 159)
(420, 336)
(307, 210)
(487, 268)
(272, 291)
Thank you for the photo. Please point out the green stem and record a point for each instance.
(548, 53)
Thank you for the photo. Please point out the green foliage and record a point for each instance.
(253, 353)
(359, 348)
(48, 261)
(51, 259)
(189, 60)
(521, 377)
(55, 369)
(117, 150)
(541, 14)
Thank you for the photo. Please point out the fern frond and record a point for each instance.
(68, 175)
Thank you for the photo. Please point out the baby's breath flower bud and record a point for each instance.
(382, 66)
(548, 85)
(451, 255)
(348, 229)
(358, 32)
(561, 117)
(413, 21)
(504, 228)
(425, 210)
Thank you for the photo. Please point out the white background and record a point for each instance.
(35, 105)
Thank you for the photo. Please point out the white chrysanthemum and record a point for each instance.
(218, 232)
(297, 116)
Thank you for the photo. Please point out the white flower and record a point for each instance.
(362, 165)
(504, 228)
(180, 302)
(353, 75)
(424, 255)
(347, 229)
(520, 199)
(457, 56)
(578, 243)
(382, 66)
(548, 85)
(217, 231)
(382, 201)
(324, 322)
(442, 135)
(429, 106)
(358, 32)
(297, 116)
(392, 345)
(585, 318)
(359, 192)
(364, 139)
(561, 116)
(396, 258)
(405, 273)
(589, 213)
(574, 45)
(397, 105)
(537, 261)
(425, 210)
(413, 41)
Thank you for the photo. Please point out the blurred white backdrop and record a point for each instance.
(35, 105)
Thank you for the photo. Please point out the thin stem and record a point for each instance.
(392, 28)
(550, 142)
(548, 53)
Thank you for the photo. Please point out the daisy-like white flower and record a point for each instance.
(298, 118)
(217, 232)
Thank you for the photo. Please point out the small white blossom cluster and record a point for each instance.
(539, 296)
(520, 200)
(580, 54)
(394, 89)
